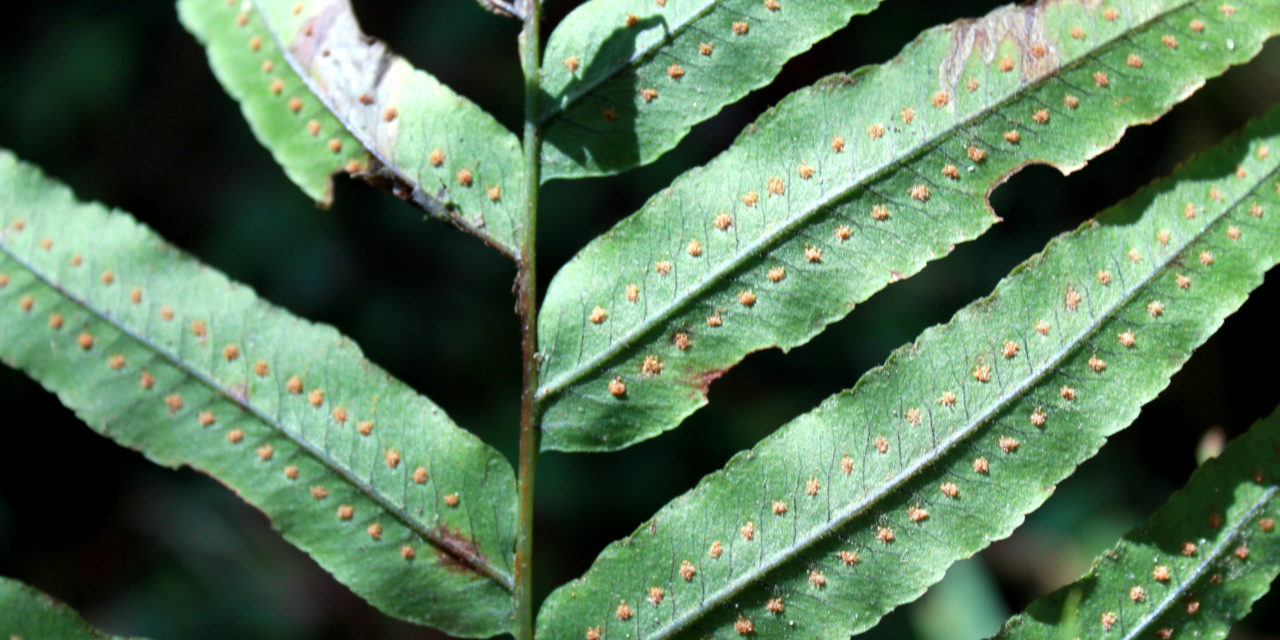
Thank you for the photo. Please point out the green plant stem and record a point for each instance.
(527, 306)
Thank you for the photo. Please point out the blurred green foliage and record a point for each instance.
(116, 100)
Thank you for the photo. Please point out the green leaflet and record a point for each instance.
(324, 98)
(862, 503)
(28, 614)
(1194, 569)
(164, 355)
(625, 80)
(747, 253)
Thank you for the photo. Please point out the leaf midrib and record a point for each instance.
(1206, 559)
(458, 552)
(560, 106)
(859, 507)
(756, 249)
(433, 206)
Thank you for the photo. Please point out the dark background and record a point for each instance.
(116, 100)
